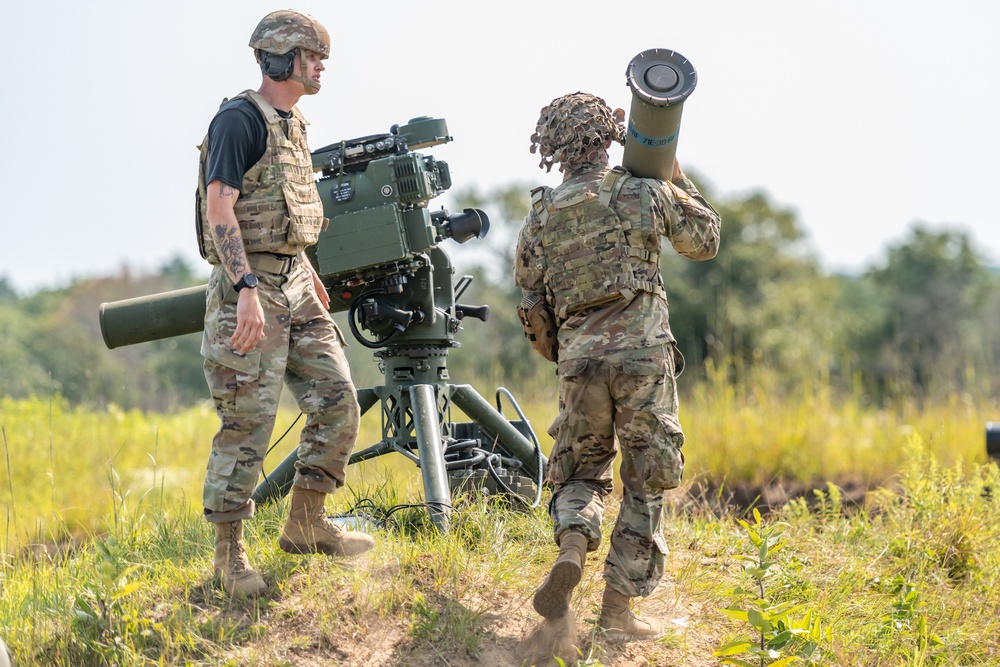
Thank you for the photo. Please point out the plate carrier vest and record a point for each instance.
(589, 254)
(279, 205)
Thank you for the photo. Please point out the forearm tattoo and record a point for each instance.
(229, 242)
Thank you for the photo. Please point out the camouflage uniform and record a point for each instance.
(617, 366)
(302, 345)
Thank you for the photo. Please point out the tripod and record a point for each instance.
(412, 336)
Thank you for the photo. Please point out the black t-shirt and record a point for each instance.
(237, 139)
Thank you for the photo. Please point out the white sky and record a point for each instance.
(862, 116)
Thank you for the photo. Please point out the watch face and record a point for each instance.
(248, 280)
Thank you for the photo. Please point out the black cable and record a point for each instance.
(382, 518)
(352, 314)
(267, 479)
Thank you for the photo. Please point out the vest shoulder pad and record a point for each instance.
(538, 197)
(271, 116)
(612, 184)
(230, 104)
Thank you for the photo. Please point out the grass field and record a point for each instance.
(62, 462)
(108, 562)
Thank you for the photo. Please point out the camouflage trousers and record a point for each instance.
(627, 401)
(303, 348)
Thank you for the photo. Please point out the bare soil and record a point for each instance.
(511, 634)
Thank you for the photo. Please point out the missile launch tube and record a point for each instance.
(153, 317)
(660, 80)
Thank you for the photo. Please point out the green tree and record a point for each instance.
(7, 291)
(929, 335)
(53, 343)
(495, 352)
(506, 207)
(20, 374)
(762, 299)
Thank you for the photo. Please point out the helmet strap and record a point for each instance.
(311, 86)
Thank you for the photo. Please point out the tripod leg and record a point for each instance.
(426, 425)
(474, 405)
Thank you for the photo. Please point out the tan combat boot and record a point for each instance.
(231, 564)
(552, 599)
(618, 621)
(309, 531)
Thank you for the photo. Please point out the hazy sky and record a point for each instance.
(862, 116)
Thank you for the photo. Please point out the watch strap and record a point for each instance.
(248, 280)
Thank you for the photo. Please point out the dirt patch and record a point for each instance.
(504, 629)
(297, 636)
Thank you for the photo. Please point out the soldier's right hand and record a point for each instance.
(677, 175)
(249, 322)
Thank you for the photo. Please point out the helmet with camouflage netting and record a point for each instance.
(574, 130)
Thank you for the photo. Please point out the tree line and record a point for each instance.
(920, 324)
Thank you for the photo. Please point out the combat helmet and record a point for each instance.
(574, 130)
(280, 36)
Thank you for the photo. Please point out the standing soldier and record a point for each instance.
(588, 263)
(267, 317)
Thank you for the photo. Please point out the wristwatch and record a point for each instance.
(248, 280)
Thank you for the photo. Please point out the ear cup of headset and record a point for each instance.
(277, 66)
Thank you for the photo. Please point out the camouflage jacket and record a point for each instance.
(653, 209)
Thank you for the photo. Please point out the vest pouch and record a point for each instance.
(539, 326)
(305, 218)
(586, 252)
(199, 224)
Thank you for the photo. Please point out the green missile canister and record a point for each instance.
(153, 317)
(660, 80)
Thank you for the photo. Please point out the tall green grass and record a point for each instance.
(62, 462)
(64, 465)
(765, 430)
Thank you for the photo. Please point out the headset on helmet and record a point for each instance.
(280, 36)
(276, 66)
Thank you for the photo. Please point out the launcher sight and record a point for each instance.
(378, 257)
